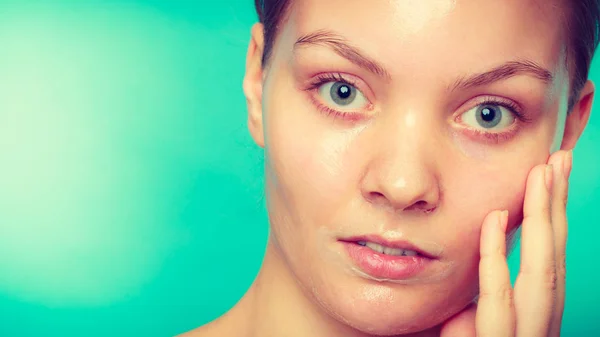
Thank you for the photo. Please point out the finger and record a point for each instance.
(495, 311)
(461, 324)
(562, 161)
(536, 282)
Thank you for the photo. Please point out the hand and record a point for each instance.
(535, 306)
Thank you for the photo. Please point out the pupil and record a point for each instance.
(488, 114)
(344, 92)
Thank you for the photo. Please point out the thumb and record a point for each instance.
(461, 324)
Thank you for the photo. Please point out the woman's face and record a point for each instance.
(404, 122)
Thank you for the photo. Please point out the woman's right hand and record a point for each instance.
(535, 306)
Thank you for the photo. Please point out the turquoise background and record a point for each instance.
(127, 173)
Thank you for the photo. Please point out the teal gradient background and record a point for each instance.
(127, 174)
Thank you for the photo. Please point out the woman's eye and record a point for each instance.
(488, 117)
(342, 95)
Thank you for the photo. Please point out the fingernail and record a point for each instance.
(503, 221)
(568, 164)
(548, 178)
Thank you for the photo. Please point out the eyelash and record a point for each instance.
(498, 137)
(490, 137)
(334, 77)
(330, 77)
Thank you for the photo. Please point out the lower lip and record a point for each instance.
(383, 266)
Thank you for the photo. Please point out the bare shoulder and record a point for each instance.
(233, 323)
(203, 331)
(213, 329)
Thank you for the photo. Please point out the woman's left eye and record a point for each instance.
(489, 116)
(338, 94)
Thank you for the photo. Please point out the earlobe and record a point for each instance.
(253, 83)
(578, 117)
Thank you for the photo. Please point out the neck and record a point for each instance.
(275, 305)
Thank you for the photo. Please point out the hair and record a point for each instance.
(582, 29)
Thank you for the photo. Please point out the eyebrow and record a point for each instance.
(343, 48)
(503, 72)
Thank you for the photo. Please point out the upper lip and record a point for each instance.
(398, 244)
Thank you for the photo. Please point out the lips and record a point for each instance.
(389, 260)
(372, 241)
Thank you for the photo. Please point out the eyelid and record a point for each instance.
(513, 106)
(492, 137)
(324, 77)
(486, 98)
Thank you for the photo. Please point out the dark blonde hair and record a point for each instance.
(582, 28)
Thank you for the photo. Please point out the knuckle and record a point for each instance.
(490, 255)
(504, 294)
(547, 207)
(486, 275)
(553, 282)
(547, 275)
(489, 270)
(561, 267)
(543, 217)
(551, 279)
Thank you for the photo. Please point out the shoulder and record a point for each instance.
(213, 329)
(203, 331)
(233, 323)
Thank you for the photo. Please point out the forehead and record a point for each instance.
(403, 33)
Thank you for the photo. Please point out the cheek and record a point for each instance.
(307, 164)
(479, 190)
(309, 159)
(469, 198)
(310, 166)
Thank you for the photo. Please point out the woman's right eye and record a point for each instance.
(341, 95)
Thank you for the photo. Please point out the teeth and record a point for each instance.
(387, 250)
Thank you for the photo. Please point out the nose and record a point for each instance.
(402, 174)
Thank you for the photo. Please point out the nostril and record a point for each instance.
(422, 205)
(427, 211)
(376, 197)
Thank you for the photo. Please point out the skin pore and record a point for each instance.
(407, 159)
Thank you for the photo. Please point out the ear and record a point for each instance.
(253, 84)
(578, 117)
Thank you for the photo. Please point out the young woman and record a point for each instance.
(397, 134)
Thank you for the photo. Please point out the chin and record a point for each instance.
(385, 309)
